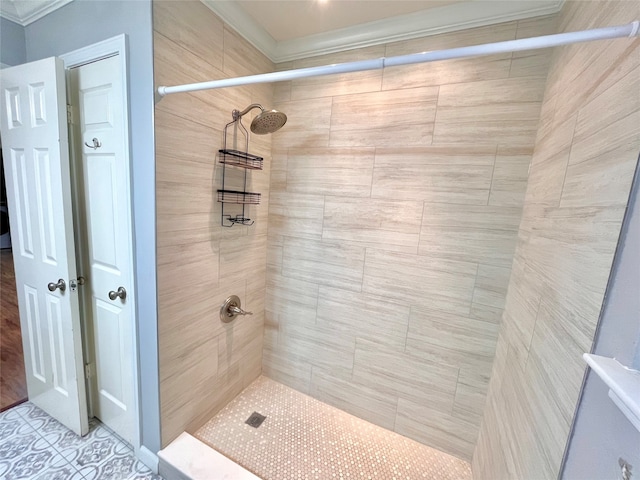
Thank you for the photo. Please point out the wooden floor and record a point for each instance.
(13, 384)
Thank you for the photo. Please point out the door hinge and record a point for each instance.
(70, 116)
(88, 370)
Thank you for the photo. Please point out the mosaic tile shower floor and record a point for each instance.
(303, 438)
(35, 446)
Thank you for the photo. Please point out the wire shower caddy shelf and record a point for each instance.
(241, 159)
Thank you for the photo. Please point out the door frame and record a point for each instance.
(92, 53)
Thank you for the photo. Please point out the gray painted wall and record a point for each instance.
(13, 49)
(77, 25)
(602, 434)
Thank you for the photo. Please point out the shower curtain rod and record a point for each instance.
(629, 30)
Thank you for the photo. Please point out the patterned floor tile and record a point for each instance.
(37, 447)
(13, 425)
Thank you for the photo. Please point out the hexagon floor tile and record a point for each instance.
(303, 438)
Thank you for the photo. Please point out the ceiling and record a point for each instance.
(290, 29)
(304, 18)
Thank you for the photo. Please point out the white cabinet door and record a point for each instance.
(36, 162)
(105, 238)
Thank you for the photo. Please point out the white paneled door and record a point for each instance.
(36, 162)
(104, 235)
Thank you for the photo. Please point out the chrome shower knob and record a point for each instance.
(231, 308)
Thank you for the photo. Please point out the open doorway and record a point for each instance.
(13, 383)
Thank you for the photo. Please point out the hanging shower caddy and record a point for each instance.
(242, 159)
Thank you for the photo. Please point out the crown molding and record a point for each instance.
(450, 18)
(24, 13)
(246, 26)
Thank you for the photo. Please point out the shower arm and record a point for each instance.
(545, 41)
(237, 114)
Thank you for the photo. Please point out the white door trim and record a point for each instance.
(107, 48)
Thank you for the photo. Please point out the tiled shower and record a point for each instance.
(433, 242)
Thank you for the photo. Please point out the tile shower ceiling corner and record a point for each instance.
(288, 30)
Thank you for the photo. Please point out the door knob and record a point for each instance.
(96, 144)
(61, 285)
(122, 293)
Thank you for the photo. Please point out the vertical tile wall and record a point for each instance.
(586, 151)
(203, 362)
(396, 197)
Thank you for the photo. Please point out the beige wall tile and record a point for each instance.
(567, 238)
(183, 266)
(359, 400)
(373, 318)
(447, 339)
(388, 225)
(324, 263)
(478, 217)
(486, 312)
(291, 371)
(445, 285)
(194, 27)
(296, 214)
(243, 257)
(491, 285)
(308, 123)
(241, 340)
(384, 118)
(530, 63)
(174, 64)
(440, 430)
(281, 92)
(319, 346)
(410, 175)
(510, 174)
(483, 93)
(200, 263)
(503, 111)
(339, 84)
(537, 26)
(471, 392)
(334, 171)
(521, 309)
(613, 140)
(278, 171)
(392, 372)
(479, 234)
(460, 155)
(446, 72)
(178, 137)
(241, 58)
(368, 191)
(283, 292)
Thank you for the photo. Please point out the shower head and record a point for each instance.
(268, 121)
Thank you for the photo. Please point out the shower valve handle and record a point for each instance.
(231, 308)
(238, 311)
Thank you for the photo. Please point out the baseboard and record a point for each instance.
(149, 458)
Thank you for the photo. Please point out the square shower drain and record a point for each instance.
(255, 420)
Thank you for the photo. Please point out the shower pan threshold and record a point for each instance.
(304, 438)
